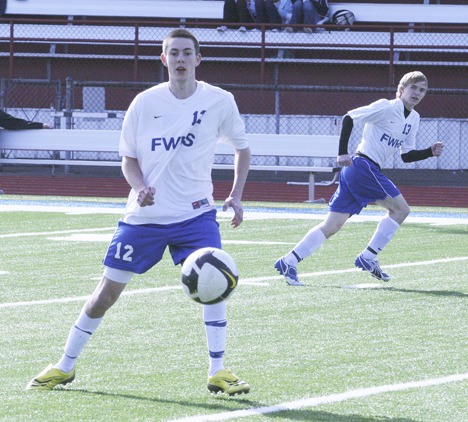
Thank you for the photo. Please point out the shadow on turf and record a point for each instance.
(296, 415)
(217, 407)
(445, 293)
(317, 416)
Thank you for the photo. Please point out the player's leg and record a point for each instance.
(371, 185)
(342, 205)
(220, 380)
(312, 241)
(91, 316)
(398, 210)
(200, 232)
(120, 266)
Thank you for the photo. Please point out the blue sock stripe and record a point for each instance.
(70, 357)
(299, 259)
(221, 323)
(216, 355)
(83, 331)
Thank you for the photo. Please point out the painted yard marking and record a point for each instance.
(329, 399)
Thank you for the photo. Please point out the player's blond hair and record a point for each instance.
(410, 78)
(181, 33)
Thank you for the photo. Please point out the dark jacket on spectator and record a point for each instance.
(7, 121)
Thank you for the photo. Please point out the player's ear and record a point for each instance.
(163, 59)
(400, 91)
(199, 58)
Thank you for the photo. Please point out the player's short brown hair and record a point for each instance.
(181, 33)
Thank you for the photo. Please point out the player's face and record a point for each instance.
(180, 59)
(413, 93)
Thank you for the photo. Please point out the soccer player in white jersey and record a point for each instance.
(167, 146)
(390, 127)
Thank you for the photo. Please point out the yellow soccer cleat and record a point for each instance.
(225, 381)
(49, 378)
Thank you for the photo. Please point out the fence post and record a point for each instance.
(136, 53)
(2, 93)
(68, 114)
(68, 102)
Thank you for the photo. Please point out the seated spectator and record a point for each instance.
(309, 12)
(241, 11)
(7, 121)
(273, 11)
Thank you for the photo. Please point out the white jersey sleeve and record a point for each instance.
(232, 128)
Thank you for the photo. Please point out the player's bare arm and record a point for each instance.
(241, 170)
(132, 173)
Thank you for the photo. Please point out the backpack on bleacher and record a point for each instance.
(343, 17)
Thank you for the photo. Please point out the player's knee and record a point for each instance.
(407, 210)
(331, 228)
(100, 302)
(400, 213)
(403, 211)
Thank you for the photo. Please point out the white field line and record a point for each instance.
(248, 215)
(253, 281)
(13, 235)
(352, 270)
(332, 398)
(125, 293)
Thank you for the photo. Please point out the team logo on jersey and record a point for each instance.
(391, 141)
(170, 143)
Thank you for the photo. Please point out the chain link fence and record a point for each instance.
(84, 74)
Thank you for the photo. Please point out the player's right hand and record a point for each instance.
(344, 160)
(437, 149)
(146, 197)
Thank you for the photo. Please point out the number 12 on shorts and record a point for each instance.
(127, 251)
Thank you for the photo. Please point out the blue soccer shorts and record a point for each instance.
(137, 248)
(360, 184)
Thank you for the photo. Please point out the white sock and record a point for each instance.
(306, 247)
(215, 326)
(384, 232)
(79, 335)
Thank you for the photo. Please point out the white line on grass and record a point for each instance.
(253, 281)
(4, 236)
(107, 237)
(332, 398)
(88, 235)
(125, 293)
(248, 214)
(352, 270)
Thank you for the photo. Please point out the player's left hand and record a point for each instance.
(235, 204)
(437, 149)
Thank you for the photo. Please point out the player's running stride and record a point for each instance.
(390, 126)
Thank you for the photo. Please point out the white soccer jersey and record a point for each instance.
(386, 129)
(174, 142)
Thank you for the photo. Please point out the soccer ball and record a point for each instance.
(209, 275)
